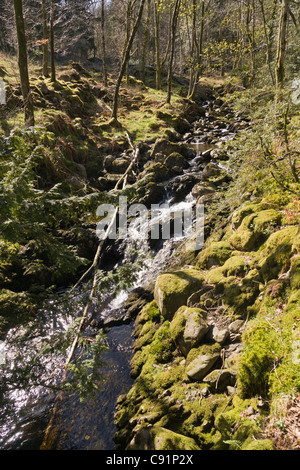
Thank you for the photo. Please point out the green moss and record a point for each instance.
(275, 253)
(162, 344)
(259, 444)
(214, 254)
(295, 273)
(195, 320)
(173, 289)
(254, 229)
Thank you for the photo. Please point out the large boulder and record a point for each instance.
(173, 289)
(188, 327)
(254, 229)
(214, 254)
(165, 147)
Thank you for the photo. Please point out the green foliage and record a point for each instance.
(86, 376)
(32, 217)
(269, 149)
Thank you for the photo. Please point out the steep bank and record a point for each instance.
(216, 349)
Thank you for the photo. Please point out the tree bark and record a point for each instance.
(198, 45)
(157, 47)
(45, 40)
(103, 42)
(53, 71)
(173, 38)
(125, 60)
(23, 63)
(282, 44)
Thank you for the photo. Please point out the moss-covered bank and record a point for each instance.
(219, 344)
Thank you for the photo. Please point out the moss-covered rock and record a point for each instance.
(254, 229)
(159, 438)
(214, 254)
(165, 147)
(173, 289)
(259, 444)
(201, 360)
(188, 327)
(275, 253)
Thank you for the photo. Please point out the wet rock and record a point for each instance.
(151, 193)
(165, 147)
(202, 189)
(210, 170)
(181, 186)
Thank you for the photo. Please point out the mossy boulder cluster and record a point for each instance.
(217, 345)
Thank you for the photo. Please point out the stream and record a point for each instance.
(89, 425)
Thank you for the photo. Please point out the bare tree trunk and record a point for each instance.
(267, 38)
(103, 42)
(23, 63)
(281, 44)
(173, 37)
(53, 71)
(125, 60)
(145, 43)
(198, 49)
(157, 47)
(45, 40)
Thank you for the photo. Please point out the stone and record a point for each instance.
(220, 379)
(201, 360)
(173, 289)
(254, 229)
(220, 335)
(214, 254)
(165, 147)
(210, 170)
(159, 438)
(188, 327)
(202, 189)
(236, 326)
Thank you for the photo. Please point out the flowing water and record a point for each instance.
(90, 424)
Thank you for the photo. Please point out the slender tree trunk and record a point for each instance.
(157, 46)
(23, 63)
(145, 43)
(267, 38)
(199, 50)
(103, 42)
(172, 52)
(53, 71)
(125, 60)
(193, 47)
(282, 44)
(45, 40)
